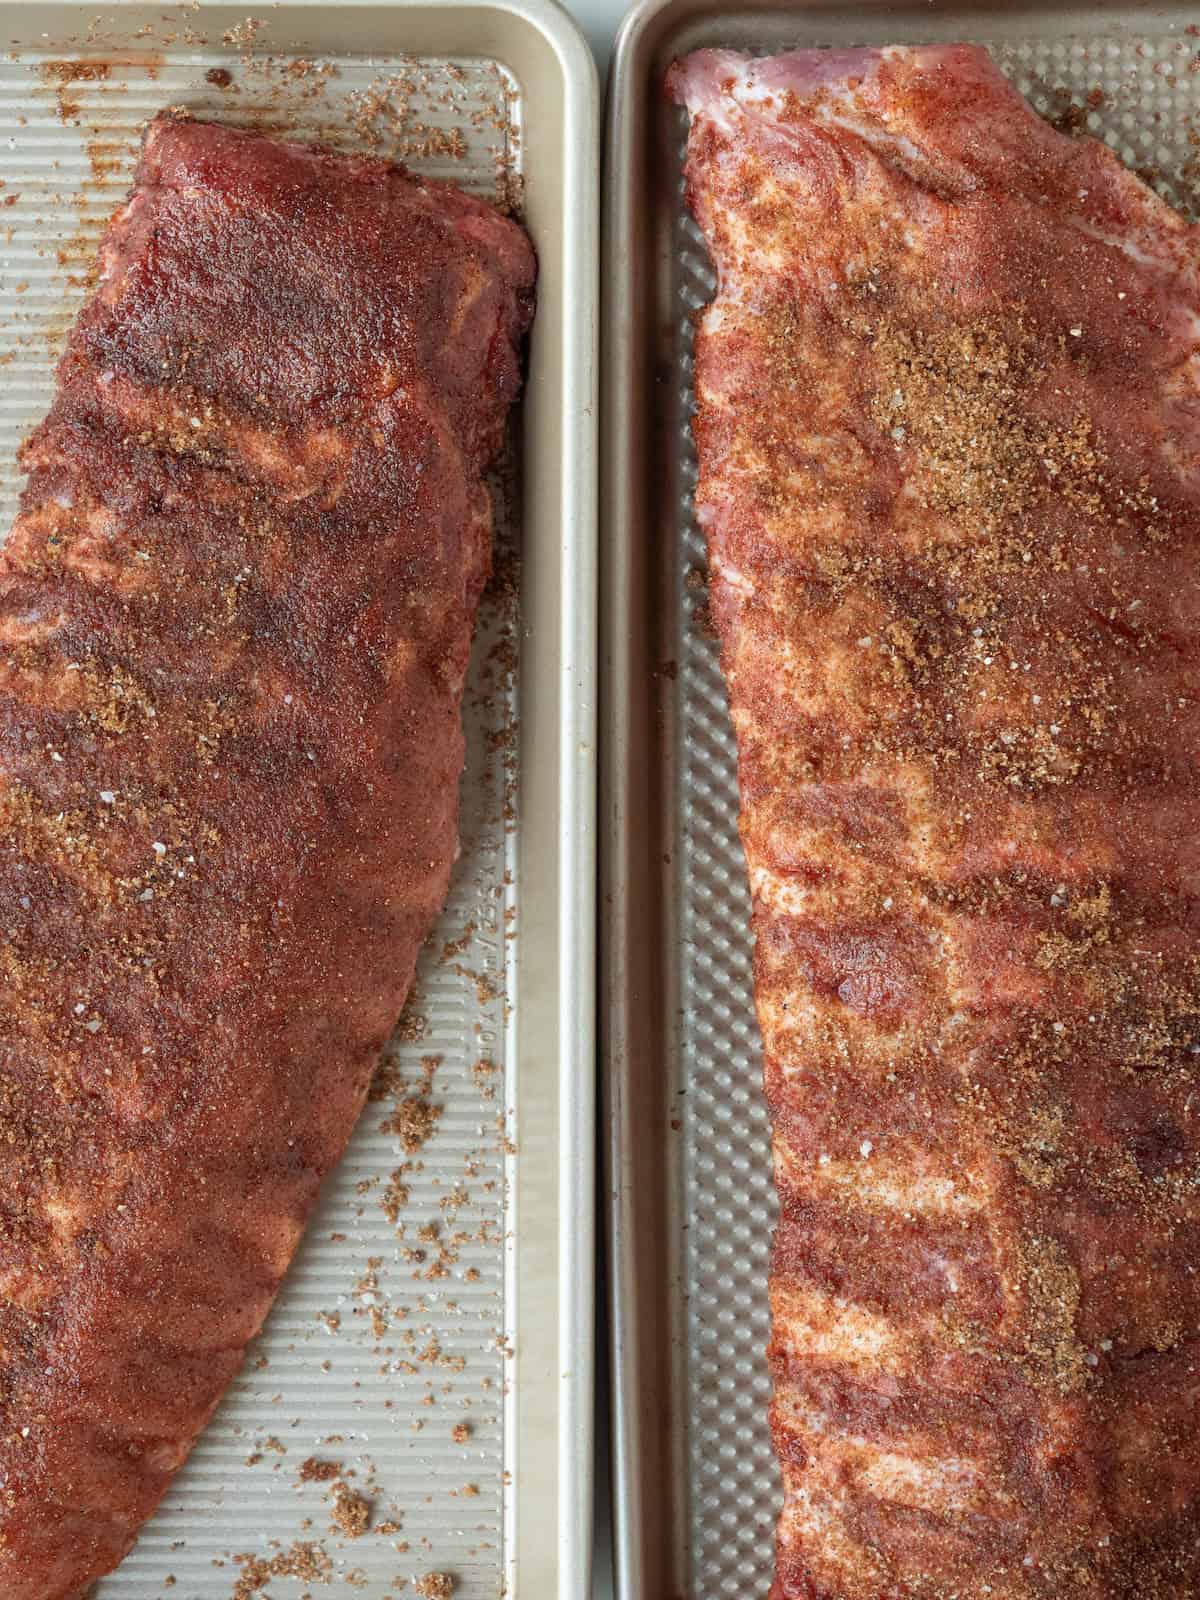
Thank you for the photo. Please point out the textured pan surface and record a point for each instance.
(383, 1342)
(715, 1261)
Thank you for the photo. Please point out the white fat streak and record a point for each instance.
(813, 1325)
(940, 1483)
(885, 1182)
(727, 572)
(917, 1477)
(30, 628)
(784, 895)
(744, 242)
(65, 1217)
(885, 142)
(1125, 241)
(716, 315)
(760, 99)
(814, 1520)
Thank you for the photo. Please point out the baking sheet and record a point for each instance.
(398, 1380)
(692, 1203)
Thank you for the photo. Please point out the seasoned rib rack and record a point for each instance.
(236, 610)
(948, 433)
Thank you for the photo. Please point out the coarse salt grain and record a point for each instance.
(108, 797)
(866, 1147)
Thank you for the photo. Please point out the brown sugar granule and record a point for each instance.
(412, 1121)
(308, 1562)
(455, 947)
(460, 1432)
(955, 398)
(315, 1470)
(483, 1072)
(351, 1511)
(435, 1586)
(1052, 1355)
(395, 1196)
(81, 71)
(412, 1027)
(429, 1065)
(387, 1082)
(244, 33)
(219, 77)
(1069, 118)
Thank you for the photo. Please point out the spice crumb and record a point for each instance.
(351, 1511)
(435, 1586)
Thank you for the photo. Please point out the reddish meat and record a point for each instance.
(949, 436)
(236, 610)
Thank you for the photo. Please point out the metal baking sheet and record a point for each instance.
(417, 1347)
(690, 1203)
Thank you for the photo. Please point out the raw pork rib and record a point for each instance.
(236, 610)
(949, 437)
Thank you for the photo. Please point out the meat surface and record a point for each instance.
(235, 611)
(949, 439)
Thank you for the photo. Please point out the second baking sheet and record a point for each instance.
(692, 1204)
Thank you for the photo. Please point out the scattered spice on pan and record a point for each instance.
(65, 73)
(484, 1073)
(244, 33)
(415, 1116)
(434, 1586)
(455, 947)
(351, 1511)
(304, 1560)
(412, 1026)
